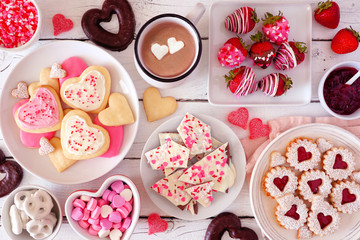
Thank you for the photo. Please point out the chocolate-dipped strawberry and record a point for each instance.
(242, 21)
(261, 52)
(289, 55)
(233, 53)
(276, 28)
(275, 84)
(241, 81)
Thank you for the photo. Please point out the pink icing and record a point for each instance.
(31, 140)
(40, 112)
(230, 56)
(73, 66)
(277, 33)
(238, 21)
(116, 138)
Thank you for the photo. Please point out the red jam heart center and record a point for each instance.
(324, 220)
(280, 183)
(347, 197)
(314, 185)
(303, 155)
(339, 163)
(292, 212)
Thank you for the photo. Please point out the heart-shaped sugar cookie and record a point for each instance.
(159, 51)
(45, 80)
(80, 138)
(21, 91)
(89, 92)
(43, 113)
(118, 113)
(57, 157)
(157, 107)
(174, 45)
(57, 71)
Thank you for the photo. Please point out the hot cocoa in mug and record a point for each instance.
(167, 49)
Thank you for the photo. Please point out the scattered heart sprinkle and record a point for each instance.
(239, 117)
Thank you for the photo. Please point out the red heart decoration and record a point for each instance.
(292, 212)
(314, 185)
(324, 220)
(156, 224)
(347, 197)
(258, 129)
(303, 155)
(239, 117)
(339, 163)
(280, 183)
(61, 24)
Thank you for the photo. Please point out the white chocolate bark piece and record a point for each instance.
(214, 167)
(168, 155)
(195, 134)
(202, 193)
(172, 189)
(192, 207)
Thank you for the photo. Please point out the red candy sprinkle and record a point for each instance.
(18, 22)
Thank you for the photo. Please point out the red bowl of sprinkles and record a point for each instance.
(20, 24)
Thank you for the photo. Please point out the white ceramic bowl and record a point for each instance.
(34, 38)
(106, 184)
(25, 235)
(354, 115)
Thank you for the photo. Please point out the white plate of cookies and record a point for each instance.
(61, 112)
(178, 187)
(305, 184)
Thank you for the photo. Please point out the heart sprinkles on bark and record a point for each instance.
(91, 20)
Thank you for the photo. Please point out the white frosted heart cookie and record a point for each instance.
(43, 113)
(80, 138)
(89, 92)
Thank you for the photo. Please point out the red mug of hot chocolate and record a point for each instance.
(168, 48)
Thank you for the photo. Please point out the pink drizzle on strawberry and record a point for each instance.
(269, 84)
(285, 57)
(238, 21)
(248, 83)
(230, 56)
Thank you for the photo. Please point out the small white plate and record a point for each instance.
(300, 20)
(221, 132)
(28, 70)
(263, 206)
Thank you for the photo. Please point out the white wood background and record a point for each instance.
(191, 97)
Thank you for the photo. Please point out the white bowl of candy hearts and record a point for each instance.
(110, 212)
(31, 212)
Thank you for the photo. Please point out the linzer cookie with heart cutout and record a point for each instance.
(339, 163)
(345, 196)
(314, 183)
(279, 181)
(303, 154)
(119, 41)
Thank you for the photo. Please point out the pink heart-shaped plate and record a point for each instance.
(106, 184)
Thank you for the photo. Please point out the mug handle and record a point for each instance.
(196, 13)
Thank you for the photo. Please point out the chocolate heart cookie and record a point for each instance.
(91, 20)
(12, 179)
(227, 221)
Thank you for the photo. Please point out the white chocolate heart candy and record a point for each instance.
(174, 45)
(159, 51)
(57, 71)
(15, 220)
(103, 233)
(40, 228)
(115, 234)
(20, 198)
(38, 205)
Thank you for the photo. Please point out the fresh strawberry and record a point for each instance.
(233, 53)
(328, 14)
(289, 55)
(241, 81)
(275, 84)
(262, 52)
(242, 21)
(276, 28)
(345, 41)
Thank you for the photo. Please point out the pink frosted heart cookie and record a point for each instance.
(303, 154)
(314, 182)
(43, 113)
(195, 134)
(279, 181)
(323, 218)
(339, 163)
(168, 155)
(345, 196)
(116, 138)
(202, 193)
(291, 212)
(213, 167)
(73, 66)
(276, 159)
